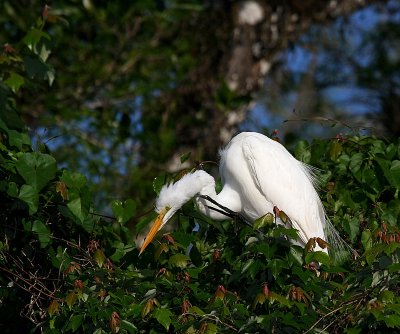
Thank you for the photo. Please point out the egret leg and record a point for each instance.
(226, 211)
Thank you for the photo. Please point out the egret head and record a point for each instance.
(173, 196)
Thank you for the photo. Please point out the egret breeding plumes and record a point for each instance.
(257, 174)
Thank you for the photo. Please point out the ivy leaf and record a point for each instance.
(99, 257)
(73, 179)
(392, 321)
(33, 37)
(276, 266)
(71, 298)
(336, 150)
(163, 316)
(12, 189)
(37, 169)
(14, 81)
(77, 209)
(43, 232)
(302, 151)
(366, 239)
(352, 227)
(18, 139)
(30, 196)
(178, 260)
(163, 247)
(355, 165)
(266, 220)
(75, 322)
(123, 211)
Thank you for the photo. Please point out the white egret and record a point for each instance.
(257, 174)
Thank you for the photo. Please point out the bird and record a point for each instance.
(258, 174)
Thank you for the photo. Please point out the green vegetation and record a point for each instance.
(66, 268)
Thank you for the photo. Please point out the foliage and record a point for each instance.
(65, 268)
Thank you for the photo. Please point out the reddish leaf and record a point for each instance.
(169, 238)
(310, 245)
(45, 12)
(216, 255)
(78, 284)
(219, 293)
(148, 307)
(115, 322)
(73, 266)
(265, 290)
(322, 243)
(8, 48)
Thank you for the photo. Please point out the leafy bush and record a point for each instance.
(67, 269)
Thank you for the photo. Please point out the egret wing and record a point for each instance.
(286, 183)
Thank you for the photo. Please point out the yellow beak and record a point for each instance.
(154, 229)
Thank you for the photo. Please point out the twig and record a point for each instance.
(211, 317)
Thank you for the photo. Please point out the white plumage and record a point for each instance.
(257, 174)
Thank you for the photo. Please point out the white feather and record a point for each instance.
(257, 174)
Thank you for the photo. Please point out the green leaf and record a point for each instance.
(30, 196)
(247, 265)
(178, 260)
(99, 257)
(279, 231)
(75, 322)
(12, 189)
(77, 209)
(276, 266)
(366, 239)
(163, 316)
(395, 173)
(196, 310)
(352, 227)
(14, 81)
(42, 49)
(158, 183)
(33, 37)
(43, 233)
(123, 211)
(386, 296)
(37, 169)
(279, 298)
(73, 179)
(355, 165)
(128, 326)
(392, 321)
(302, 151)
(394, 268)
(266, 220)
(372, 253)
(18, 139)
(317, 256)
(336, 150)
